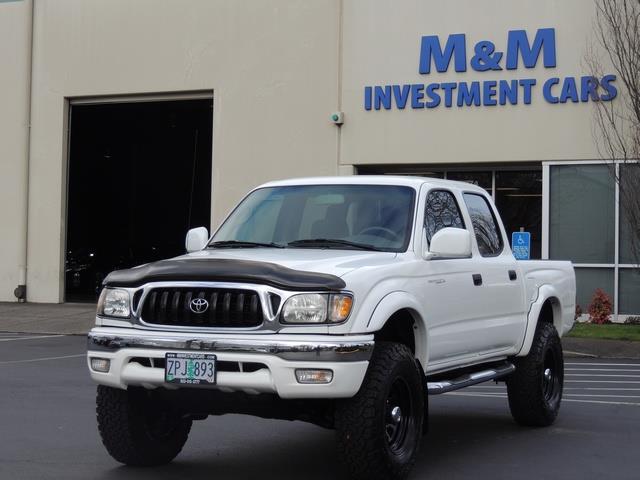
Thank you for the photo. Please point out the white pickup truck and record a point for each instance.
(339, 301)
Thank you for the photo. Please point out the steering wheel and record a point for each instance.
(389, 233)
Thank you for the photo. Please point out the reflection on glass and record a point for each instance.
(519, 201)
(488, 236)
(588, 280)
(630, 215)
(481, 179)
(629, 294)
(441, 212)
(581, 213)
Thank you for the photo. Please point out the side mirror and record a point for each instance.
(450, 243)
(196, 239)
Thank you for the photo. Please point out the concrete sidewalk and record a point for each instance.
(78, 318)
(64, 318)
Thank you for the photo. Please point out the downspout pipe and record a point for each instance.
(21, 290)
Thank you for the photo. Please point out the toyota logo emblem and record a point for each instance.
(199, 305)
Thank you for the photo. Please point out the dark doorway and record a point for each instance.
(139, 178)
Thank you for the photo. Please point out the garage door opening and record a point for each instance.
(139, 178)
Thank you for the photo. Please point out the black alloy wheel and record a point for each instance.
(380, 428)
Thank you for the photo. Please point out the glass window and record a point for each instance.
(630, 214)
(487, 233)
(581, 213)
(519, 201)
(441, 211)
(588, 280)
(481, 179)
(374, 216)
(629, 294)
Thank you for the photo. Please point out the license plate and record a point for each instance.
(190, 368)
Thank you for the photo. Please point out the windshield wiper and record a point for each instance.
(331, 242)
(242, 244)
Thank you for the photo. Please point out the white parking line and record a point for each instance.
(604, 364)
(14, 339)
(599, 375)
(501, 395)
(635, 370)
(42, 359)
(606, 389)
(602, 381)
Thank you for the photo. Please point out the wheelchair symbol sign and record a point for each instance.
(521, 245)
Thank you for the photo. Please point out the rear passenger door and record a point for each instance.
(499, 311)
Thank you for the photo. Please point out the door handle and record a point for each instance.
(512, 275)
(477, 279)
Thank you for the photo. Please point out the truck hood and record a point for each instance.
(329, 261)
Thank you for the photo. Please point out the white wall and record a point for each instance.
(275, 67)
(382, 46)
(272, 67)
(15, 21)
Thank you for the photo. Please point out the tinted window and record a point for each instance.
(441, 211)
(484, 225)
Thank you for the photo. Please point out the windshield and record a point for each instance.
(366, 217)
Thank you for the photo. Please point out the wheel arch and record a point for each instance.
(547, 309)
(397, 318)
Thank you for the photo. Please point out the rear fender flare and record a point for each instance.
(545, 293)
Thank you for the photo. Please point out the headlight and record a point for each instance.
(114, 303)
(317, 308)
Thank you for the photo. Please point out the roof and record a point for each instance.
(409, 181)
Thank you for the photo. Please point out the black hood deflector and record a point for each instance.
(224, 270)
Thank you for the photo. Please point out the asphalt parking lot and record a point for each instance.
(48, 430)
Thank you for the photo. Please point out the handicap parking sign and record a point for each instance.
(521, 245)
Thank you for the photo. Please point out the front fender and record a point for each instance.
(392, 303)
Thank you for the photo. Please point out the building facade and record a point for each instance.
(125, 123)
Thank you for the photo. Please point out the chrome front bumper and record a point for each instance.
(330, 350)
(280, 356)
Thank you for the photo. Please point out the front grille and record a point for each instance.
(226, 308)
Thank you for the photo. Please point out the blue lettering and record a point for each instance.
(486, 57)
(448, 93)
(527, 84)
(382, 97)
(546, 90)
(508, 90)
(518, 44)
(488, 93)
(569, 90)
(417, 95)
(468, 96)
(612, 91)
(367, 98)
(430, 48)
(589, 88)
(433, 95)
(401, 95)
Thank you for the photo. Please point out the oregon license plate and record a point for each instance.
(190, 368)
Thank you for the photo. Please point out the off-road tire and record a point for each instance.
(366, 430)
(534, 398)
(136, 430)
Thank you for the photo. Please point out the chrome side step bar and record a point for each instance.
(468, 379)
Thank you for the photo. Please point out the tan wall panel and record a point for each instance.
(382, 46)
(15, 22)
(272, 67)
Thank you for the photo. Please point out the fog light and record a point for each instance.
(314, 376)
(100, 364)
